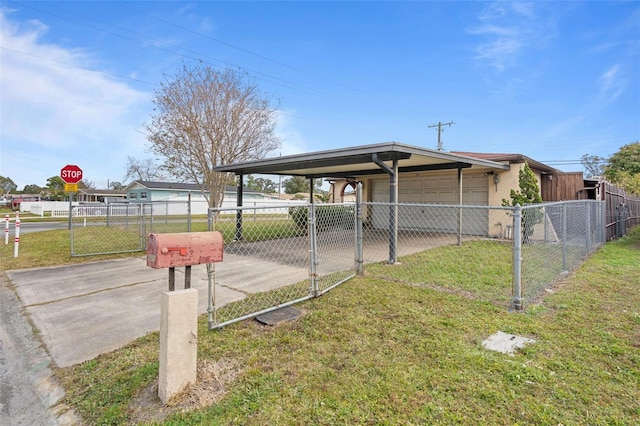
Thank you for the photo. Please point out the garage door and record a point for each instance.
(434, 190)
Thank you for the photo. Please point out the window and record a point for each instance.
(143, 195)
(133, 196)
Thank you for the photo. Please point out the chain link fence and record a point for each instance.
(556, 238)
(123, 227)
(302, 251)
(278, 256)
(504, 255)
(464, 250)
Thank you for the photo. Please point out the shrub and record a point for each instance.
(327, 216)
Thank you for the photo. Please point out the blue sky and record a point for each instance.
(550, 80)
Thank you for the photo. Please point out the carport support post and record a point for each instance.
(393, 204)
(359, 256)
(517, 258)
(393, 212)
(239, 211)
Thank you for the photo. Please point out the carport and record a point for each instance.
(353, 163)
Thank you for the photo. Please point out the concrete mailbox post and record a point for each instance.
(179, 309)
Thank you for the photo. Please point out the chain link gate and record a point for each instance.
(279, 256)
(123, 227)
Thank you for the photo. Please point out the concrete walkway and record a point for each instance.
(82, 311)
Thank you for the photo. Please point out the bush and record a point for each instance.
(327, 216)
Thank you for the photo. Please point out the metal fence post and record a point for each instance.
(359, 239)
(564, 236)
(603, 220)
(143, 242)
(71, 229)
(517, 258)
(588, 228)
(151, 213)
(545, 225)
(189, 213)
(313, 251)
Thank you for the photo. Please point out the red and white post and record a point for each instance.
(17, 240)
(6, 229)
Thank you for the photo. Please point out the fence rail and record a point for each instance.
(503, 255)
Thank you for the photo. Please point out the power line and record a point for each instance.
(225, 64)
(237, 47)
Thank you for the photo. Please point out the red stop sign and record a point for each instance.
(71, 173)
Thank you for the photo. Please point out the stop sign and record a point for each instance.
(71, 173)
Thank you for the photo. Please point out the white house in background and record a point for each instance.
(91, 195)
(141, 191)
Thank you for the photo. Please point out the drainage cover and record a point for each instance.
(505, 343)
(287, 313)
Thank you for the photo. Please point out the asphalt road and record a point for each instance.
(27, 226)
(27, 388)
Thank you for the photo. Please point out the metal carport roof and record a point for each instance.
(391, 158)
(360, 161)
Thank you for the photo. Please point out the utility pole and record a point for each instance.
(439, 126)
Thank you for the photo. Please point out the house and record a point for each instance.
(91, 195)
(146, 191)
(395, 172)
(485, 186)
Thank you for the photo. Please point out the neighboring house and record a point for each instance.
(146, 191)
(91, 195)
(15, 202)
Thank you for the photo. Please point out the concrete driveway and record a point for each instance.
(84, 310)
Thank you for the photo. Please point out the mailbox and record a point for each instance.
(183, 249)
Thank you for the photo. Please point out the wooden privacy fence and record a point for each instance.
(622, 210)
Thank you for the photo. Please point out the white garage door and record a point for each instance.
(434, 190)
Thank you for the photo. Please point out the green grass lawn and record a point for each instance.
(385, 352)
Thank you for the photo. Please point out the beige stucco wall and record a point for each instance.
(499, 220)
(508, 180)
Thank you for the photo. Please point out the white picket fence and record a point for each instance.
(173, 207)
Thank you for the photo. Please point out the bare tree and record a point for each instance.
(146, 169)
(116, 186)
(87, 184)
(204, 118)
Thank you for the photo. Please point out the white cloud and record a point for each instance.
(54, 106)
(508, 28)
(611, 84)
